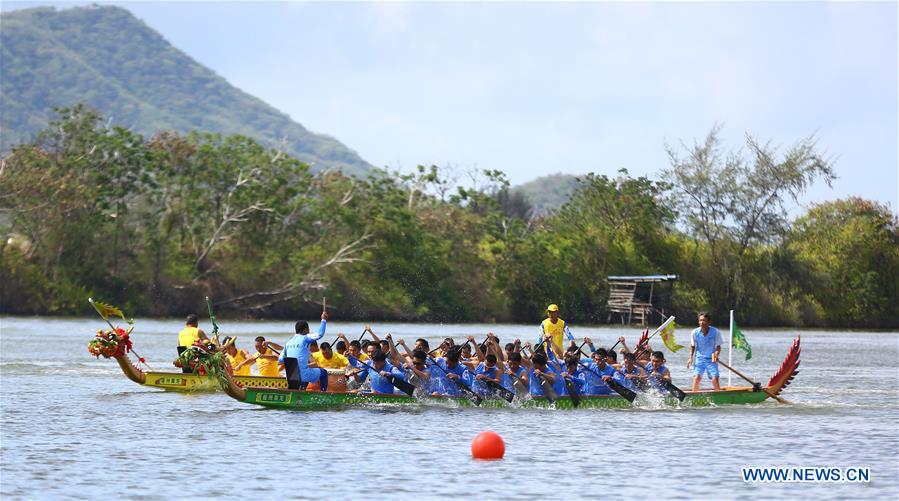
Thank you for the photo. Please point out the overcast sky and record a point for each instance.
(538, 88)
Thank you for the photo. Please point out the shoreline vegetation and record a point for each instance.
(155, 224)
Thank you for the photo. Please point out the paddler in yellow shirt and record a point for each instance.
(189, 335)
(237, 358)
(265, 358)
(325, 358)
(555, 327)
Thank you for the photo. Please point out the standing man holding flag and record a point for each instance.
(705, 347)
(556, 327)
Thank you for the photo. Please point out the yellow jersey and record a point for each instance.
(337, 361)
(267, 368)
(558, 332)
(188, 336)
(236, 359)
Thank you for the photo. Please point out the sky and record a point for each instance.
(537, 88)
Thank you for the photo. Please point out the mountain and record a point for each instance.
(548, 192)
(109, 59)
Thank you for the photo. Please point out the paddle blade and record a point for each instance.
(548, 391)
(622, 390)
(402, 385)
(507, 395)
(474, 397)
(674, 390)
(572, 392)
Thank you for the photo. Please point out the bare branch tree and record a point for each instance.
(259, 300)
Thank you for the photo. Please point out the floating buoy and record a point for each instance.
(488, 445)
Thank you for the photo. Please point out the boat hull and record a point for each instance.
(176, 381)
(308, 400)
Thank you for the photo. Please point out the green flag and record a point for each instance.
(740, 342)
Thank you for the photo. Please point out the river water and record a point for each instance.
(74, 426)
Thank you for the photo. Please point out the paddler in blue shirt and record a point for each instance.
(572, 372)
(556, 328)
(487, 370)
(298, 348)
(417, 371)
(515, 377)
(598, 371)
(705, 345)
(630, 374)
(539, 372)
(658, 372)
(378, 377)
(441, 383)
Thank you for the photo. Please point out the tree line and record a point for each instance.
(156, 224)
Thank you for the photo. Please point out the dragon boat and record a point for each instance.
(282, 398)
(118, 346)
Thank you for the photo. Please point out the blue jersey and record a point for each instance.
(481, 387)
(655, 382)
(705, 344)
(508, 383)
(558, 368)
(442, 384)
(628, 383)
(595, 384)
(379, 383)
(578, 379)
(534, 382)
(421, 385)
(298, 346)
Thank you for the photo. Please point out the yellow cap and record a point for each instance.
(552, 307)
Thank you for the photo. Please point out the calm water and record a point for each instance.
(74, 426)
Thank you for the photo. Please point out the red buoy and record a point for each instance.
(488, 445)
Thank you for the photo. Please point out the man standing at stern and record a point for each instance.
(705, 346)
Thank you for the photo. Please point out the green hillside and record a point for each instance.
(548, 192)
(107, 58)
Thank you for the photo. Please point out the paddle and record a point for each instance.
(548, 390)
(504, 392)
(517, 382)
(668, 385)
(474, 397)
(754, 384)
(572, 392)
(617, 387)
(569, 385)
(397, 382)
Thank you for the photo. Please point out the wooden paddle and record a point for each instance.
(518, 384)
(572, 392)
(569, 385)
(668, 385)
(397, 382)
(471, 395)
(548, 390)
(617, 387)
(767, 392)
(504, 392)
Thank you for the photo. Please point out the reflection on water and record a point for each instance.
(73, 426)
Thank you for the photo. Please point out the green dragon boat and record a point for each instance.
(309, 400)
